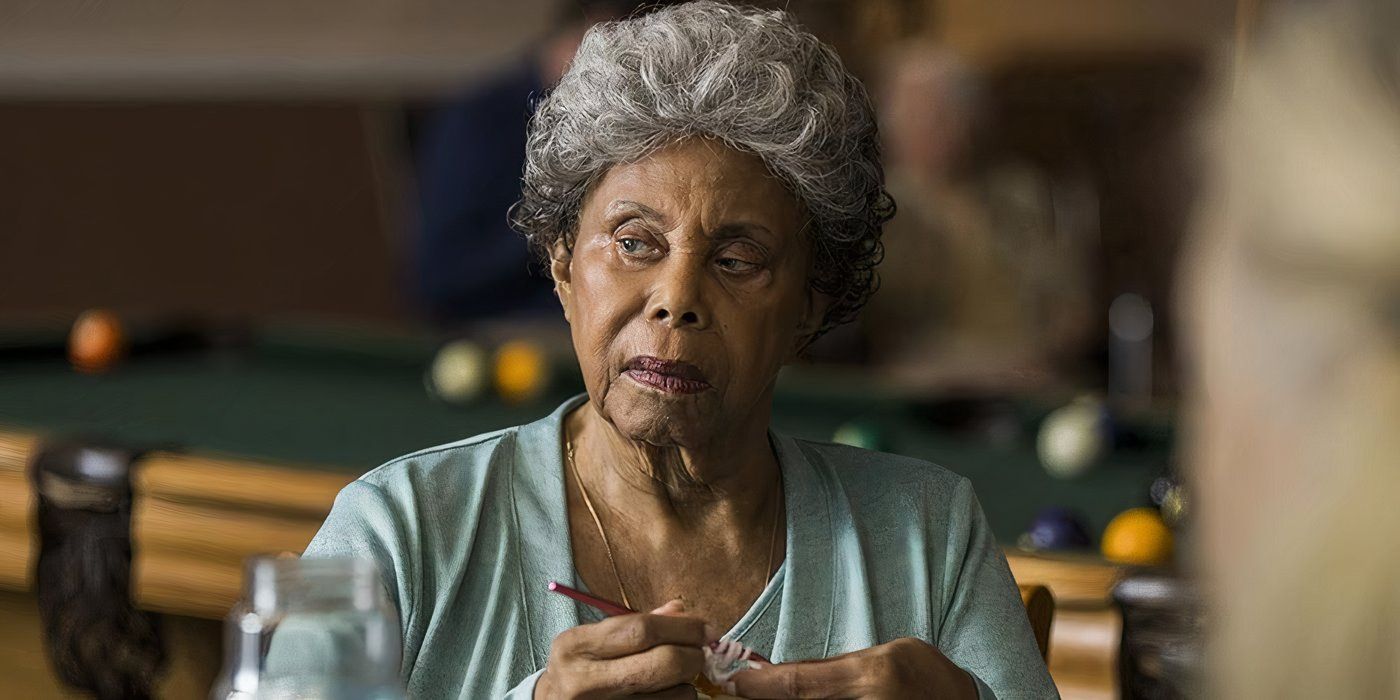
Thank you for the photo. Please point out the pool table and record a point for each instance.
(239, 447)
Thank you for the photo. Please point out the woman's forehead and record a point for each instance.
(698, 176)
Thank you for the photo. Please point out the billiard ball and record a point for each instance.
(1138, 536)
(1159, 488)
(1056, 529)
(1175, 505)
(1171, 498)
(861, 434)
(522, 371)
(1073, 438)
(96, 341)
(459, 371)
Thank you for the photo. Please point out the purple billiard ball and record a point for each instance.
(1056, 529)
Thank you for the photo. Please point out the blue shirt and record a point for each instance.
(468, 535)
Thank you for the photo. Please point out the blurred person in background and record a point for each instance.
(1293, 291)
(1000, 290)
(469, 265)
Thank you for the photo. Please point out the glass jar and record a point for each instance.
(311, 628)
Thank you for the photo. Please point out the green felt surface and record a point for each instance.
(353, 406)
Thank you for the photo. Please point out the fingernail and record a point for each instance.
(756, 665)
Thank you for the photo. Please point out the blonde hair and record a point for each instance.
(1293, 295)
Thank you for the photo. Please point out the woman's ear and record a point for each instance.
(559, 258)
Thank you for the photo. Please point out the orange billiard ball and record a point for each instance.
(1138, 536)
(96, 342)
(522, 371)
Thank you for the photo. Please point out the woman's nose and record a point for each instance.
(679, 299)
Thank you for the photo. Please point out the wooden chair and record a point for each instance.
(1040, 608)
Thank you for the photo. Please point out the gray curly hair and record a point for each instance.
(751, 78)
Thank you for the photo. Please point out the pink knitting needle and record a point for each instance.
(612, 609)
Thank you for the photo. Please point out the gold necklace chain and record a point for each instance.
(573, 467)
(607, 547)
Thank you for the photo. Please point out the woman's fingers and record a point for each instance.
(656, 669)
(657, 652)
(671, 607)
(838, 677)
(652, 670)
(677, 608)
(625, 635)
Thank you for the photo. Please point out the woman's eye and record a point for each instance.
(737, 265)
(633, 246)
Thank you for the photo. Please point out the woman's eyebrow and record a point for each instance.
(625, 204)
(740, 229)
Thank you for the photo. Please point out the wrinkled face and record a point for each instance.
(686, 290)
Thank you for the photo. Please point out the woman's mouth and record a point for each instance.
(670, 376)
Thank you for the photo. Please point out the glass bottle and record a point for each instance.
(311, 628)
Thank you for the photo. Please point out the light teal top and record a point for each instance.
(468, 535)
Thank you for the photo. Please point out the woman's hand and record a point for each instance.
(903, 668)
(656, 654)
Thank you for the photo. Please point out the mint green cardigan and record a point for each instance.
(467, 536)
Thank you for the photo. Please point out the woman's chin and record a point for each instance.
(662, 418)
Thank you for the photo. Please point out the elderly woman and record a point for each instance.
(705, 182)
